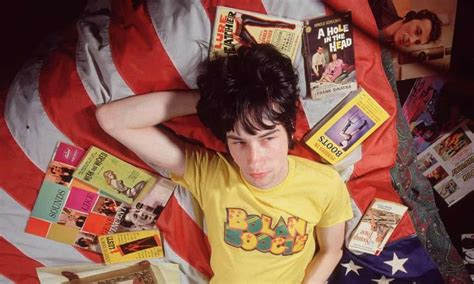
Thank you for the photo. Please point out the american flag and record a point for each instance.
(124, 48)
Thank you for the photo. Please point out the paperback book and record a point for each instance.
(328, 51)
(234, 28)
(346, 126)
(114, 177)
(376, 226)
(127, 246)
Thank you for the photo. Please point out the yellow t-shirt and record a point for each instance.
(263, 236)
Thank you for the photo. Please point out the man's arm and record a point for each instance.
(330, 241)
(132, 122)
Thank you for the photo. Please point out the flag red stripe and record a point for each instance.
(137, 51)
(185, 237)
(69, 107)
(15, 265)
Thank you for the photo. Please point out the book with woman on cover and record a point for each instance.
(112, 176)
(234, 28)
(376, 226)
(346, 126)
(328, 50)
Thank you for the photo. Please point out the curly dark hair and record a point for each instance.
(257, 85)
(426, 14)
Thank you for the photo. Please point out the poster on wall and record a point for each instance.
(419, 34)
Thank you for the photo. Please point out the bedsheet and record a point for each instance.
(124, 48)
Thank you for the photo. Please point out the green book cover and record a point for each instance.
(113, 176)
(50, 201)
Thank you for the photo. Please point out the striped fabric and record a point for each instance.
(123, 48)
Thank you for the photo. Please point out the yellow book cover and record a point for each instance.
(129, 246)
(376, 226)
(234, 27)
(114, 177)
(346, 126)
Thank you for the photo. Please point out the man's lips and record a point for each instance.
(258, 175)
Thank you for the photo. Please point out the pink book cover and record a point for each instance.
(68, 154)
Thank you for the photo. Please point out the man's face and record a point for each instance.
(412, 32)
(141, 217)
(263, 157)
(320, 50)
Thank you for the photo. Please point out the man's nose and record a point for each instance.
(254, 153)
(414, 39)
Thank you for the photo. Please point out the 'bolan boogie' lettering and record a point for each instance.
(253, 232)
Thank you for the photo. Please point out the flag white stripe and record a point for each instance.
(94, 61)
(47, 252)
(27, 120)
(184, 30)
(5, 280)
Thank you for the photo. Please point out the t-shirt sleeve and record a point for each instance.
(198, 162)
(338, 207)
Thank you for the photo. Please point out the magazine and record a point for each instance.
(114, 177)
(78, 213)
(234, 28)
(145, 271)
(448, 164)
(328, 52)
(127, 246)
(376, 226)
(346, 126)
(420, 109)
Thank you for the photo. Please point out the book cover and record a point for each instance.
(376, 226)
(114, 177)
(127, 246)
(328, 52)
(144, 271)
(234, 27)
(62, 206)
(346, 126)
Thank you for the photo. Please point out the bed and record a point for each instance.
(123, 48)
